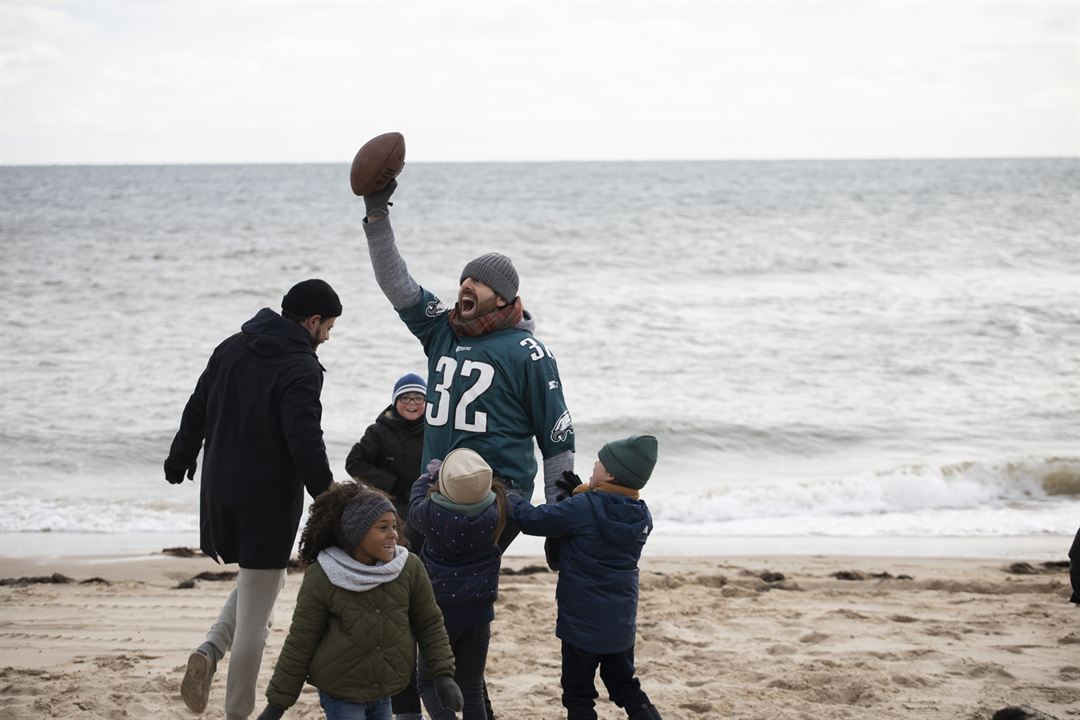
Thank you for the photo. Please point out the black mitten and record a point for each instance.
(377, 203)
(567, 483)
(449, 693)
(551, 553)
(270, 713)
(174, 470)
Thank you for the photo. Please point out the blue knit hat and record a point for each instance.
(411, 383)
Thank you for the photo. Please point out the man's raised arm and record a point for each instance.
(391, 273)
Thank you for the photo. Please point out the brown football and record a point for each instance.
(378, 162)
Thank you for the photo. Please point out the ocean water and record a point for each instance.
(860, 352)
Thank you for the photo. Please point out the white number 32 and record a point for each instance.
(438, 412)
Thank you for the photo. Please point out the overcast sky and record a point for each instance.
(160, 82)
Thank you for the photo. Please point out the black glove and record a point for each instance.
(270, 713)
(551, 553)
(567, 482)
(377, 202)
(449, 693)
(174, 470)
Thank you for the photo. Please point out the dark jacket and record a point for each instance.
(602, 537)
(360, 646)
(460, 555)
(388, 456)
(257, 406)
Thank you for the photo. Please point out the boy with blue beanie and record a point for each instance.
(603, 527)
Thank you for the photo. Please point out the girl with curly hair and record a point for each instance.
(363, 606)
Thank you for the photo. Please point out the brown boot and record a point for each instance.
(195, 687)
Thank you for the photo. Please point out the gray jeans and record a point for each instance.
(243, 626)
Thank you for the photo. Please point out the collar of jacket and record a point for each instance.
(467, 510)
(270, 334)
(392, 417)
(610, 488)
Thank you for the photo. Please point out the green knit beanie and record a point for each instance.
(630, 460)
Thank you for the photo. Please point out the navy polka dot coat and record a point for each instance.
(460, 555)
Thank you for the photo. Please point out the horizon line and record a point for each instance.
(539, 162)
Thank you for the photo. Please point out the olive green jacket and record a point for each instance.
(360, 646)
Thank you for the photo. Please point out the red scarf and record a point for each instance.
(498, 319)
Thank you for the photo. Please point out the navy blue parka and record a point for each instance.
(602, 536)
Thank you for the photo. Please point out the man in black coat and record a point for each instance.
(257, 407)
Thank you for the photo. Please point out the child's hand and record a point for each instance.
(449, 693)
(567, 482)
(552, 552)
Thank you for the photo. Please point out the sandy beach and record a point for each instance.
(718, 637)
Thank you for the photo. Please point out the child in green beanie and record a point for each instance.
(602, 526)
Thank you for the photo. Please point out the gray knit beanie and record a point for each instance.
(358, 517)
(497, 272)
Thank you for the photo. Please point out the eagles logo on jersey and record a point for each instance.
(434, 308)
(564, 428)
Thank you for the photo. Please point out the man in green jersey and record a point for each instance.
(493, 386)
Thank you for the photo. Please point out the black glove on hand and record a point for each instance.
(270, 713)
(377, 202)
(551, 553)
(174, 471)
(449, 693)
(567, 482)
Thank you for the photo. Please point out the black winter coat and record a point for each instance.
(257, 406)
(388, 456)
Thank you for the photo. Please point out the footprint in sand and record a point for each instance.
(780, 650)
(698, 708)
(912, 681)
(903, 618)
(980, 670)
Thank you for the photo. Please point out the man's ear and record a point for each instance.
(500, 302)
(311, 322)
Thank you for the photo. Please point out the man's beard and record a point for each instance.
(469, 306)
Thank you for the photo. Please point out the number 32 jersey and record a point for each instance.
(493, 394)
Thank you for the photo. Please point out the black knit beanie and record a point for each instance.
(497, 272)
(312, 297)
